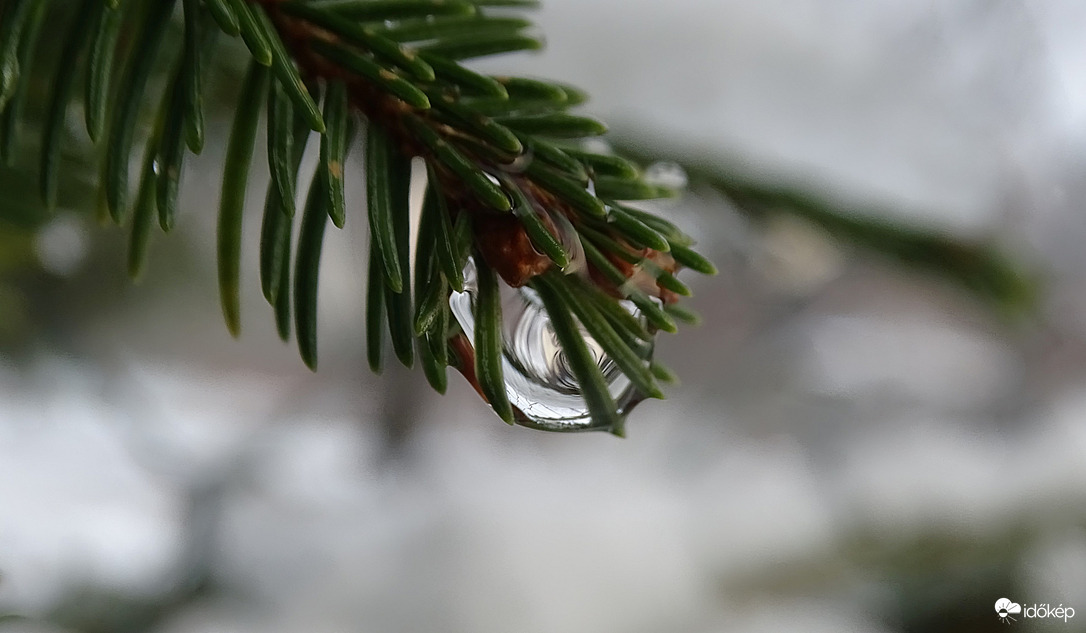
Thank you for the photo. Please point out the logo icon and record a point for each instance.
(1005, 609)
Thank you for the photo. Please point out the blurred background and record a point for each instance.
(856, 445)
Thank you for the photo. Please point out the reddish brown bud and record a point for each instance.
(505, 245)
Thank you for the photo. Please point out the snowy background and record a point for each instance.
(853, 448)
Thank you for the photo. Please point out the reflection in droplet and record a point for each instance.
(666, 174)
(538, 379)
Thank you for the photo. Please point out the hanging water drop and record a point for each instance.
(538, 379)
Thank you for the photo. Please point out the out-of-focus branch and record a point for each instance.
(980, 267)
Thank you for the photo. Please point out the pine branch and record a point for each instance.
(517, 209)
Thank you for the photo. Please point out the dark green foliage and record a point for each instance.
(682, 313)
(290, 79)
(366, 67)
(375, 311)
(224, 16)
(123, 127)
(468, 47)
(239, 153)
(307, 268)
(23, 55)
(190, 76)
(663, 373)
(275, 229)
(375, 10)
(432, 365)
(467, 171)
(498, 151)
(556, 158)
(170, 153)
(379, 162)
(422, 29)
(282, 301)
(382, 48)
(635, 231)
(692, 260)
(253, 32)
(484, 128)
(555, 125)
(334, 150)
(79, 35)
(488, 342)
(446, 251)
(143, 214)
(16, 14)
(627, 189)
(467, 80)
(605, 165)
(398, 303)
(431, 297)
(282, 165)
(430, 286)
(569, 190)
(100, 69)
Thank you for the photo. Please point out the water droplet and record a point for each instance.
(538, 379)
(666, 174)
